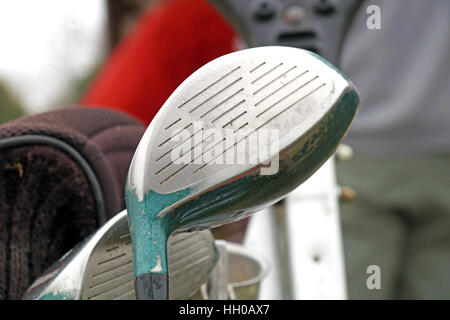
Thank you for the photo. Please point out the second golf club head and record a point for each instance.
(236, 136)
(101, 267)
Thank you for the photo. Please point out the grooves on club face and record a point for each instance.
(109, 272)
(307, 100)
(101, 267)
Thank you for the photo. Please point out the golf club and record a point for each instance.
(202, 162)
(101, 267)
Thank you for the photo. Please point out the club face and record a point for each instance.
(109, 272)
(307, 102)
(100, 268)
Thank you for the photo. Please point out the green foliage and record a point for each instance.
(10, 107)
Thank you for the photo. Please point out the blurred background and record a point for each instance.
(67, 40)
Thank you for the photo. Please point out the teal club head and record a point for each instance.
(236, 136)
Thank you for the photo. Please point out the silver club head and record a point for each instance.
(236, 136)
(101, 267)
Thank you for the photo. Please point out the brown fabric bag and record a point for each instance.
(62, 174)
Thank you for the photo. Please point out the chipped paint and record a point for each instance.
(58, 296)
(158, 267)
(149, 230)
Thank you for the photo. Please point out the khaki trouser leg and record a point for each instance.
(400, 221)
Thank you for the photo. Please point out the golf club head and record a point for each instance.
(101, 267)
(204, 162)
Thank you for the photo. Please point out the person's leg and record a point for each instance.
(373, 232)
(427, 268)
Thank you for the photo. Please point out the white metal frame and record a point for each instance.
(303, 243)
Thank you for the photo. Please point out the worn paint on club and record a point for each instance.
(337, 122)
(149, 231)
(57, 296)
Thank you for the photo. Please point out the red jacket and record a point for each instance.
(169, 42)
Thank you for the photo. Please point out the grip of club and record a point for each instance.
(152, 286)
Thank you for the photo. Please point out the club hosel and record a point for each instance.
(150, 260)
(149, 234)
(149, 239)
